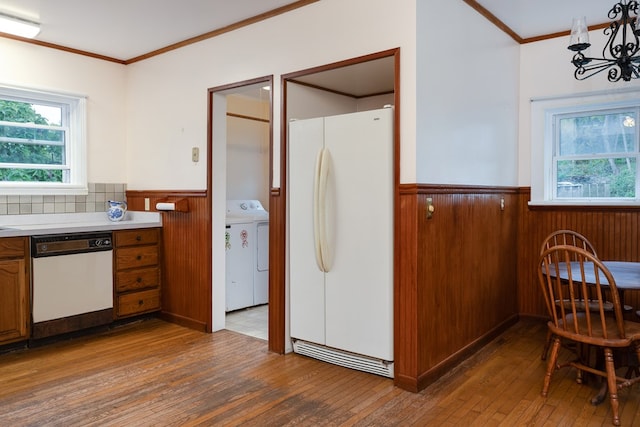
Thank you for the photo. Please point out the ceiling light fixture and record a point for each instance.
(618, 54)
(18, 26)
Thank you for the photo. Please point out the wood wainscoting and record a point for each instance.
(613, 231)
(455, 276)
(186, 240)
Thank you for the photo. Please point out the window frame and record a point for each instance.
(557, 157)
(543, 172)
(74, 106)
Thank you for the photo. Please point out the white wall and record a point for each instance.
(547, 72)
(167, 93)
(248, 150)
(467, 97)
(103, 83)
(304, 102)
(375, 102)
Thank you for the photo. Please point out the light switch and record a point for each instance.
(195, 154)
(146, 204)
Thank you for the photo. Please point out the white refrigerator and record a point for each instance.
(341, 239)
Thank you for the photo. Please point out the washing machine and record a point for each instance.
(247, 254)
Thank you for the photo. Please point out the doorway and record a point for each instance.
(240, 147)
(358, 84)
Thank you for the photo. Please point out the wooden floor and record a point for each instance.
(154, 373)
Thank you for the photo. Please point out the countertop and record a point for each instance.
(39, 224)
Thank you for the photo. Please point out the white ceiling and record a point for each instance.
(125, 29)
(533, 18)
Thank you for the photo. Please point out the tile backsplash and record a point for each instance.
(95, 201)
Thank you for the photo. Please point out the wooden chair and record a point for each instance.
(565, 237)
(572, 322)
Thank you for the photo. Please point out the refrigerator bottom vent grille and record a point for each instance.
(343, 358)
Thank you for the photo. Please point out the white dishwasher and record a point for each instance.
(72, 282)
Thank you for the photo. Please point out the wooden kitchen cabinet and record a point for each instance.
(14, 289)
(137, 275)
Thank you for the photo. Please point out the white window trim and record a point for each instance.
(542, 112)
(76, 152)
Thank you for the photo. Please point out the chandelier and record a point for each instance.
(618, 53)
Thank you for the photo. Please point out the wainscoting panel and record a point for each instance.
(461, 291)
(613, 231)
(186, 264)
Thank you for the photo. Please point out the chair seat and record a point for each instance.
(631, 329)
(580, 305)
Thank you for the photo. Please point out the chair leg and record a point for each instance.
(551, 365)
(547, 344)
(636, 347)
(612, 385)
(635, 368)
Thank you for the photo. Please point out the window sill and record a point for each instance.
(44, 190)
(587, 205)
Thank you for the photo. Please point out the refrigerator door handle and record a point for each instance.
(319, 209)
(317, 237)
(325, 164)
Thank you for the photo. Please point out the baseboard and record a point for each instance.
(431, 375)
(184, 321)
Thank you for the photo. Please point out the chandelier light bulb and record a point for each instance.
(579, 34)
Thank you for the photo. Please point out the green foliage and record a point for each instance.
(618, 175)
(13, 151)
(623, 184)
(30, 175)
(19, 112)
(609, 141)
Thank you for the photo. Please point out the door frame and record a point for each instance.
(217, 176)
(278, 245)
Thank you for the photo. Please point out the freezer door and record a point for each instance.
(306, 281)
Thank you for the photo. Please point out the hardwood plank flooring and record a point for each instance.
(153, 373)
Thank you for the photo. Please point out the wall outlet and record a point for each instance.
(146, 204)
(195, 154)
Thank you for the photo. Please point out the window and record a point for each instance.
(585, 149)
(42, 142)
(595, 154)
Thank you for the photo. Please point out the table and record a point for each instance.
(625, 273)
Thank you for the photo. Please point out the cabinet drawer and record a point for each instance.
(136, 257)
(131, 280)
(13, 247)
(136, 237)
(138, 302)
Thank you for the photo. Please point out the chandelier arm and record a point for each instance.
(610, 46)
(585, 71)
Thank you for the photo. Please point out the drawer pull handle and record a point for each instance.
(138, 237)
(139, 257)
(140, 302)
(139, 279)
